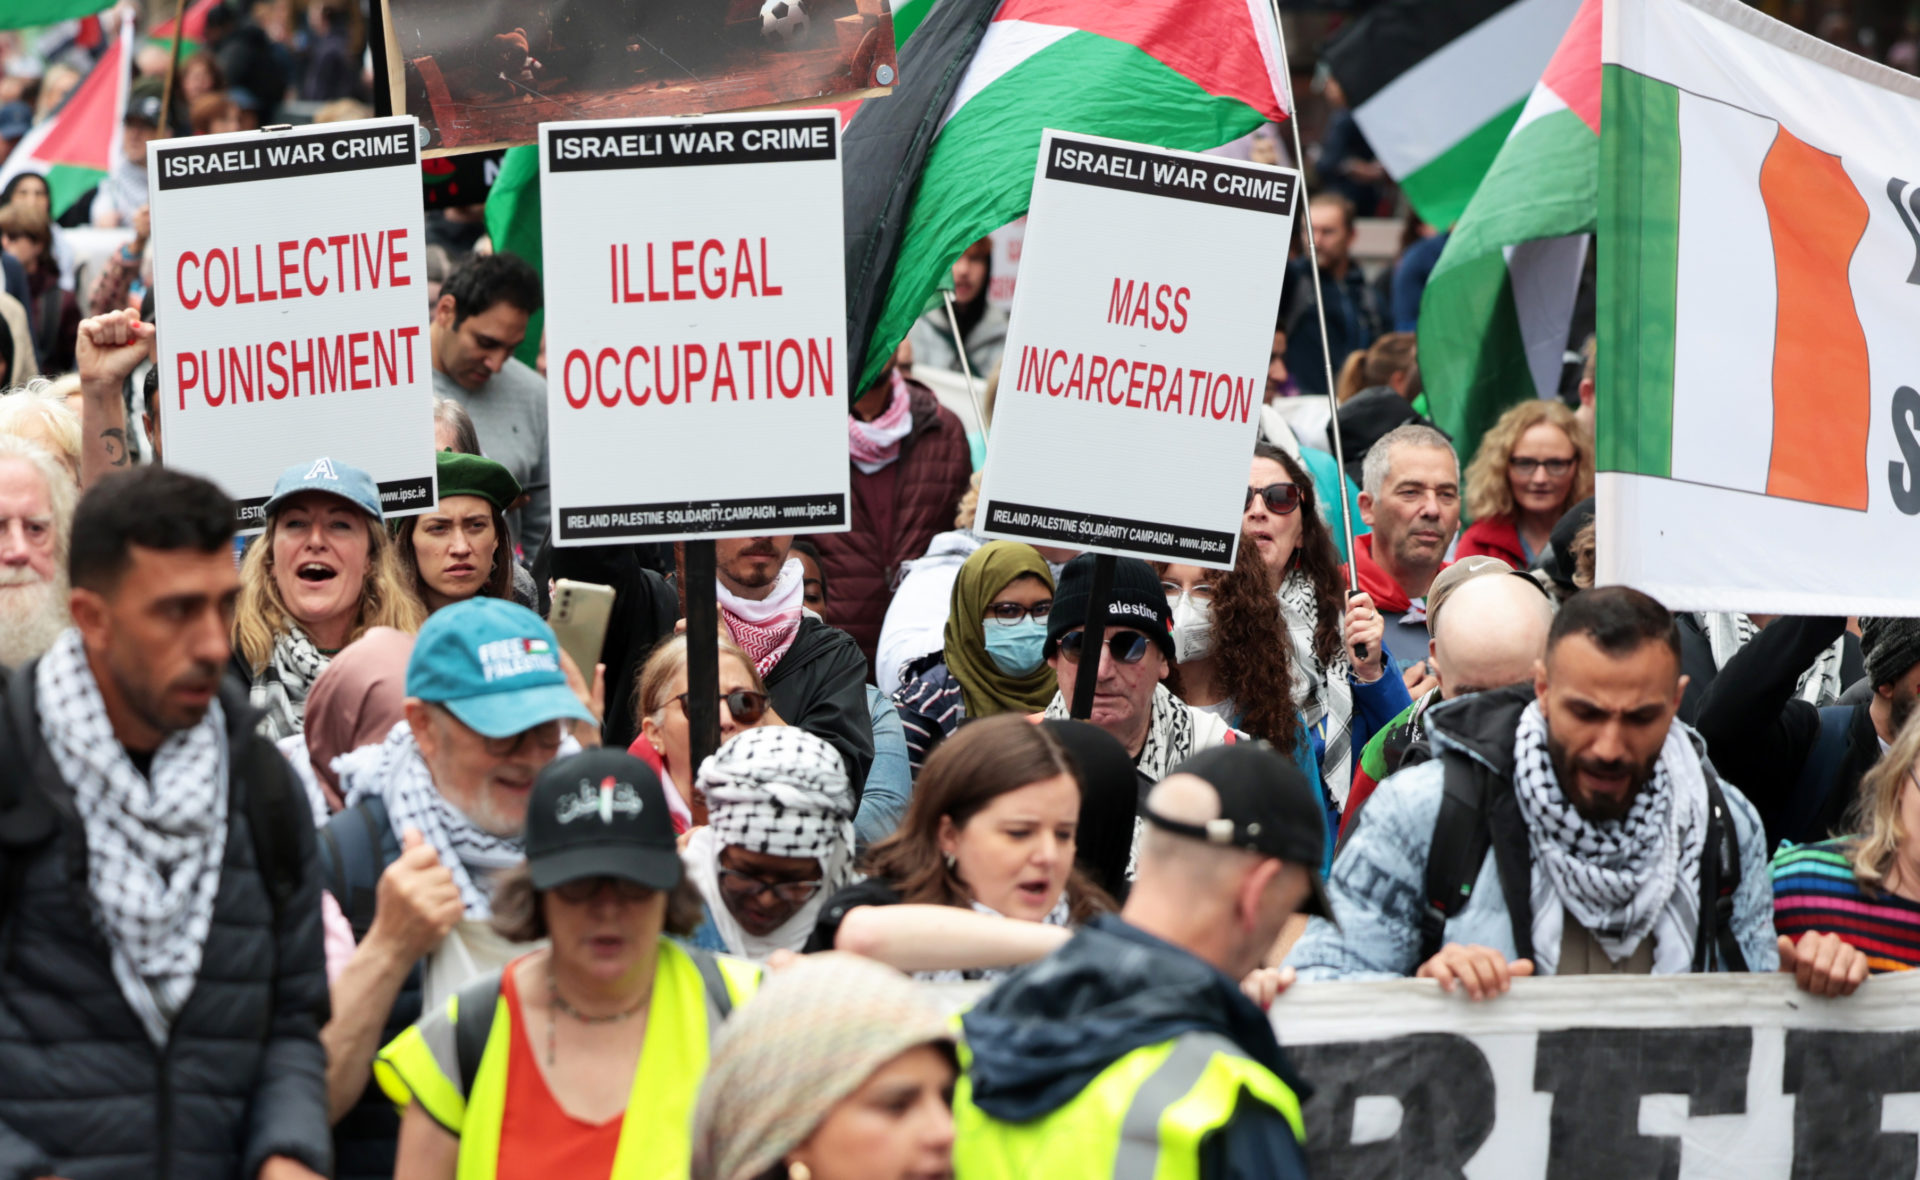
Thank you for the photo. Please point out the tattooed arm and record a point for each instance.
(108, 349)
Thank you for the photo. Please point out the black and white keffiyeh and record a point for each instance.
(280, 689)
(1323, 695)
(1621, 879)
(1727, 632)
(154, 847)
(395, 771)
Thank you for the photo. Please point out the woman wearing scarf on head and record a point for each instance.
(992, 662)
(779, 839)
(356, 701)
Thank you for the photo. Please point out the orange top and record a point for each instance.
(539, 1140)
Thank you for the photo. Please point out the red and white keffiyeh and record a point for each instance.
(765, 628)
(875, 444)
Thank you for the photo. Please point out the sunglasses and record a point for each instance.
(585, 889)
(743, 888)
(1127, 647)
(747, 706)
(1281, 498)
(1008, 614)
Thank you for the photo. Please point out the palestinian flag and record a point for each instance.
(195, 21)
(949, 156)
(1759, 236)
(1437, 84)
(31, 14)
(1497, 309)
(79, 143)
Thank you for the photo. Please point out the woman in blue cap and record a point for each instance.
(318, 578)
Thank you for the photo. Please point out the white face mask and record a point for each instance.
(1192, 628)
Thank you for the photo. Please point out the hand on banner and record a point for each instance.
(110, 347)
(595, 700)
(1485, 972)
(1364, 626)
(1823, 964)
(1267, 984)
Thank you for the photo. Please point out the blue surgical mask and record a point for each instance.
(1016, 650)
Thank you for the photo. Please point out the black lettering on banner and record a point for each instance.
(275, 156)
(769, 514)
(396, 495)
(690, 144)
(1211, 182)
(1903, 478)
(1083, 529)
(1597, 1077)
(1838, 1079)
(1446, 1094)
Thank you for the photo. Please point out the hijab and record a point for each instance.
(355, 701)
(986, 690)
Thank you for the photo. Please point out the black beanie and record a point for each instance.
(1137, 602)
(1891, 648)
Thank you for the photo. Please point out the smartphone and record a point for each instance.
(579, 620)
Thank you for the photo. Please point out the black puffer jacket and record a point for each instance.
(83, 1092)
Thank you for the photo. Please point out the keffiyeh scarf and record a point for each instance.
(1621, 879)
(280, 689)
(1727, 632)
(395, 771)
(1324, 695)
(781, 791)
(765, 628)
(873, 445)
(154, 846)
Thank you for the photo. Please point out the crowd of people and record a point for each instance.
(320, 854)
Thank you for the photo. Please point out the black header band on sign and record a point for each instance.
(1211, 182)
(274, 156)
(1081, 530)
(692, 145)
(769, 514)
(396, 495)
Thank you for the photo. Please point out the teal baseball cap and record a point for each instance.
(493, 664)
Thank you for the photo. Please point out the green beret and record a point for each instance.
(473, 475)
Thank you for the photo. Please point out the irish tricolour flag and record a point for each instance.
(949, 156)
(1759, 268)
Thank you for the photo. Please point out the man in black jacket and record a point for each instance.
(164, 983)
(1801, 766)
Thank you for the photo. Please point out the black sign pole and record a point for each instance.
(703, 653)
(1094, 641)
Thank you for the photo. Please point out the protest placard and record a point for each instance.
(1141, 328)
(290, 275)
(487, 73)
(697, 367)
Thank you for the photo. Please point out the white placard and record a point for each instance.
(696, 327)
(290, 285)
(1136, 359)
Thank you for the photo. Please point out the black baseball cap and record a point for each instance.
(1266, 806)
(600, 813)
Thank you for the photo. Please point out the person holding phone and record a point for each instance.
(461, 548)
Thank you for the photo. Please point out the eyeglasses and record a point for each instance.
(1127, 647)
(743, 888)
(1281, 498)
(1199, 591)
(1526, 467)
(585, 889)
(1008, 614)
(545, 736)
(747, 707)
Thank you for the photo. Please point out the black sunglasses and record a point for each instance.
(584, 889)
(1281, 498)
(1127, 647)
(747, 706)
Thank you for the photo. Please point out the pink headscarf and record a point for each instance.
(356, 701)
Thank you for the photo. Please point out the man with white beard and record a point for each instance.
(36, 519)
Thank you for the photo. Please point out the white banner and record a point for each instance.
(1759, 425)
(696, 327)
(1136, 359)
(290, 284)
(1733, 1077)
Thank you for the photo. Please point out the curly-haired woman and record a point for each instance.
(1534, 464)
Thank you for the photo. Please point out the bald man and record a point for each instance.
(1489, 626)
(1134, 1049)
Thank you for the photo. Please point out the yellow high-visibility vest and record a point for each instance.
(1144, 1117)
(692, 993)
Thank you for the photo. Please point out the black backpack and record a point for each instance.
(1480, 813)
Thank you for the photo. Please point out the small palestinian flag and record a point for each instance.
(535, 647)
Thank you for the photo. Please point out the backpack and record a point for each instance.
(1476, 817)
